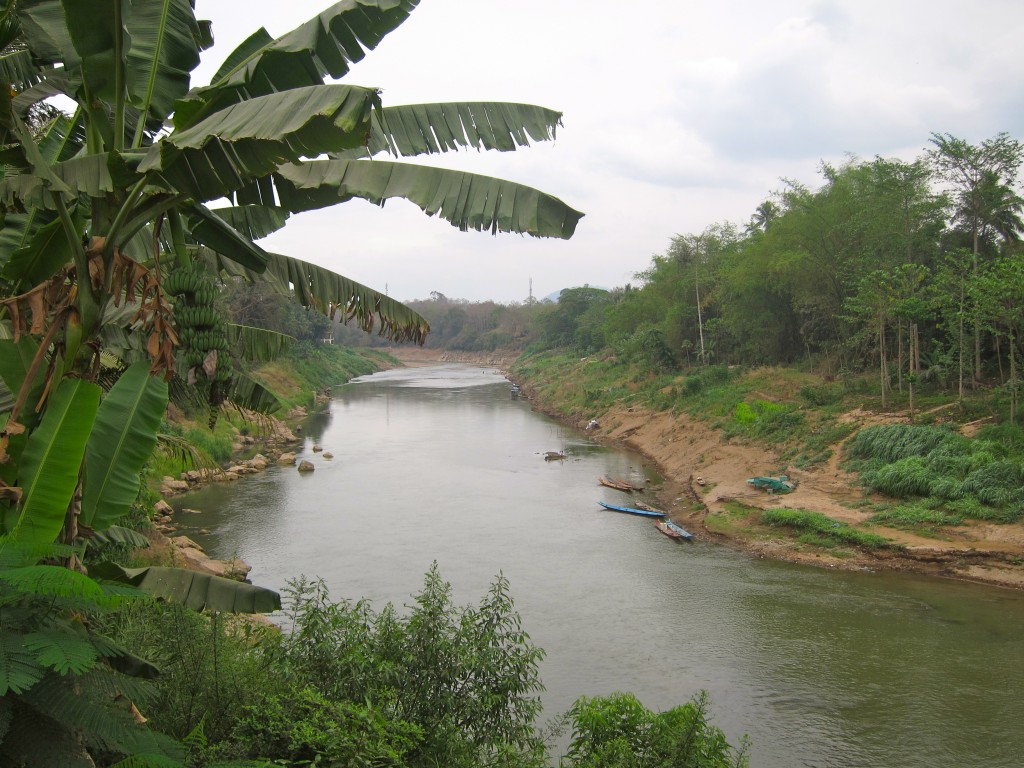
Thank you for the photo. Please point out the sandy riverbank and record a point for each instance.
(706, 490)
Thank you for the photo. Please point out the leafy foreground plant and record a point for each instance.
(437, 684)
(617, 731)
(60, 678)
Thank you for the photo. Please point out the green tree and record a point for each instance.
(679, 293)
(999, 295)
(576, 319)
(980, 176)
(763, 216)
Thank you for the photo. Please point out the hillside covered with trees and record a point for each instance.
(912, 270)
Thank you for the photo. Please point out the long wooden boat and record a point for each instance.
(618, 485)
(649, 508)
(632, 486)
(631, 510)
(672, 530)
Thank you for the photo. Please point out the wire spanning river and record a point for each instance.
(819, 668)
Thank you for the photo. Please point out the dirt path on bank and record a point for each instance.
(706, 489)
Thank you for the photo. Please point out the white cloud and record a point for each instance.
(677, 115)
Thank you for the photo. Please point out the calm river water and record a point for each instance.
(819, 668)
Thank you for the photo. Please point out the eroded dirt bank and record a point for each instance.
(706, 490)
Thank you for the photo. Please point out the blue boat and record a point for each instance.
(672, 530)
(631, 510)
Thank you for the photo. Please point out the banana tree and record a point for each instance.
(109, 206)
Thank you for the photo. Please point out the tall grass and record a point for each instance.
(906, 461)
(915, 518)
(892, 442)
(824, 528)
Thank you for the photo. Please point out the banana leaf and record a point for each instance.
(323, 46)
(165, 44)
(228, 149)
(417, 129)
(198, 591)
(465, 200)
(51, 462)
(121, 442)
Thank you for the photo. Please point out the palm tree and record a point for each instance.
(763, 216)
(1002, 208)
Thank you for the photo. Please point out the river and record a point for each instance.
(819, 667)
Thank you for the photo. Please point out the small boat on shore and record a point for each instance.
(631, 510)
(619, 485)
(649, 508)
(672, 530)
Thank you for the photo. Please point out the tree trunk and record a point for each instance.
(911, 365)
(1013, 383)
(899, 355)
(700, 320)
(960, 346)
(977, 322)
(882, 369)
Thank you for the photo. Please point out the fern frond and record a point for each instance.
(84, 703)
(18, 668)
(182, 451)
(154, 761)
(62, 649)
(105, 684)
(62, 583)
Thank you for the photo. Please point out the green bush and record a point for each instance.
(892, 442)
(345, 685)
(821, 395)
(997, 483)
(693, 385)
(617, 731)
(904, 478)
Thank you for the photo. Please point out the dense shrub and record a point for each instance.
(617, 731)
(892, 442)
(441, 685)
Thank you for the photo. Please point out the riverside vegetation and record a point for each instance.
(874, 488)
(114, 275)
(111, 270)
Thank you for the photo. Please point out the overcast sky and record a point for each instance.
(677, 114)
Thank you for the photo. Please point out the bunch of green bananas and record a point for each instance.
(201, 328)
